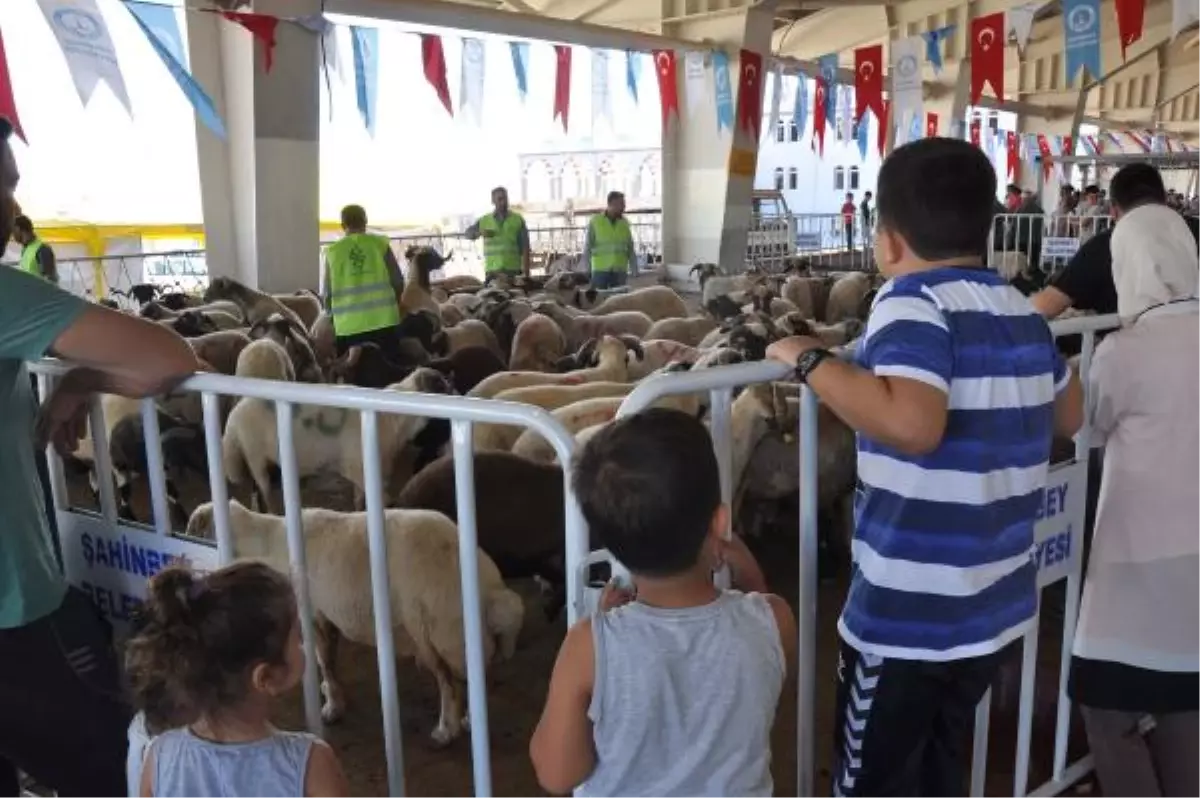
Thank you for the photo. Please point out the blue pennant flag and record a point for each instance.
(365, 44)
(864, 126)
(724, 91)
(520, 59)
(800, 108)
(915, 129)
(933, 46)
(828, 64)
(633, 71)
(159, 25)
(1081, 31)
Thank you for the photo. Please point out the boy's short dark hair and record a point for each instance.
(939, 194)
(613, 196)
(1137, 184)
(354, 216)
(648, 486)
(24, 224)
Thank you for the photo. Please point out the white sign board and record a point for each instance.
(1058, 533)
(808, 241)
(113, 564)
(1058, 247)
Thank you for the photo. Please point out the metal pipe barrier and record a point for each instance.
(109, 541)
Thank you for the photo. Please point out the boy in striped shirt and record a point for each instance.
(955, 393)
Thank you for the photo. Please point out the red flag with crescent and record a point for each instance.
(885, 119)
(1014, 154)
(562, 83)
(975, 131)
(931, 125)
(1043, 144)
(820, 98)
(868, 81)
(261, 27)
(1131, 16)
(668, 84)
(1068, 145)
(987, 55)
(8, 103)
(434, 59)
(749, 99)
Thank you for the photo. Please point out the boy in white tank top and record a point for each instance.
(671, 688)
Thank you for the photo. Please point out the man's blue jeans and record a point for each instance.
(602, 280)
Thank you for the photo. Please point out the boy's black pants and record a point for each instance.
(902, 726)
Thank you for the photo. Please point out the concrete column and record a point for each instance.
(706, 209)
(259, 188)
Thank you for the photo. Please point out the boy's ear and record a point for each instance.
(889, 246)
(720, 522)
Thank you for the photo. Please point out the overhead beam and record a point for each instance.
(1168, 100)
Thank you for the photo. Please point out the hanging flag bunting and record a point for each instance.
(520, 60)
(562, 83)
(987, 55)
(845, 115)
(331, 60)
(1043, 146)
(1158, 142)
(633, 72)
(989, 143)
(860, 135)
(8, 103)
(1081, 32)
(914, 129)
(820, 100)
(364, 50)
(933, 46)
(1131, 16)
(931, 125)
(1020, 22)
(83, 38)
(884, 121)
(868, 80)
(161, 29)
(1089, 145)
(1183, 14)
(261, 27)
(1014, 157)
(1115, 139)
(800, 104)
(906, 89)
(668, 85)
(749, 99)
(828, 64)
(434, 60)
(1143, 144)
(776, 98)
(693, 80)
(723, 90)
(470, 92)
(601, 93)
(1068, 145)
(975, 131)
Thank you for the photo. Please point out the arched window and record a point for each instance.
(573, 183)
(778, 178)
(793, 130)
(647, 181)
(793, 180)
(839, 179)
(993, 121)
(536, 184)
(853, 178)
(780, 130)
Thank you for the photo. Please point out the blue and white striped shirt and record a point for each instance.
(943, 541)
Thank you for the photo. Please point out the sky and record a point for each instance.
(98, 165)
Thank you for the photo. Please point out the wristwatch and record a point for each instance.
(809, 361)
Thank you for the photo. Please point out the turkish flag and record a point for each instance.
(975, 131)
(821, 97)
(749, 100)
(1044, 150)
(987, 55)
(562, 83)
(8, 104)
(885, 119)
(261, 27)
(931, 125)
(668, 84)
(434, 60)
(1014, 155)
(1068, 146)
(868, 81)
(1131, 15)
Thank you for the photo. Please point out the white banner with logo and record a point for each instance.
(83, 38)
(471, 92)
(694, 80)
(601, 91)
(906, 58)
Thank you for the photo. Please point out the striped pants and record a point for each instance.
(903, 726)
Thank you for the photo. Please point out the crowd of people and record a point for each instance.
(956, 390)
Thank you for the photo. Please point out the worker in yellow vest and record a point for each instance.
(608, 250)
(505, 238)
(362, 286)
(36, 256)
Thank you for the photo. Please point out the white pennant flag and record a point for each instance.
(694, 80)
(776, 98)
(601, 89)
(906, 56)
(332, 53)
(846, 98)
(1019, 21)
(83, 38)
(1183, 13)
(470, 95)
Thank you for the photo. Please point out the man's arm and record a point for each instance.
(395, 274)
(562, 749)
(633, 261)
(48, 264)
(1050, 302)
(523, 248)
(326, 289)
(472, 231)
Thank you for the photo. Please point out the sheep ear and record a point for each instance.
(586, 352)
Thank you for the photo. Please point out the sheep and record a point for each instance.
(303, 303)
(764, 300)
(810, 295)
(714, 284)
(254, 305)
(578, 329)
(324, 342)
(467, 367)
(656, 301)
(659, 353)
(612, 366)
(501, 437)
(291, 335)
(265, 359)
(190, 324)
(325, 438)
(838, 334)
(690, 330)
(457, 282)
(471, 332)
(156, 311)
(425, 593)
(450, 314)
(220, 349)
(846, 297)
(127, 452)
(537, 344)
(416, 293)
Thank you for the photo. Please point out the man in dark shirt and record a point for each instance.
(1086, 282)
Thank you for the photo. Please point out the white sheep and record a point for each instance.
(581, 327)
(501, 437)
(690, 330)
(713, 284)
(304, 304)
(808, 294)
(537, 344)
(424, 587)
(265, 359)
(657, 301)
(612, 366)
(450, 314)
(659, 353)
(846, 297)
(253, 304)
(470, 332)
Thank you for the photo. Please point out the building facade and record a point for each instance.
(556, 182)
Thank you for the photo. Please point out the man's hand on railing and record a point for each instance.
(63, 417)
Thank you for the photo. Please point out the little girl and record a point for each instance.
(211, 654)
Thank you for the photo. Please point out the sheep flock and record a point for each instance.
(550, 342)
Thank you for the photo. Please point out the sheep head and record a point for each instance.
(722, 308)
(633, 344)
(176, 300)
(191, 324)
(423, 380)
(154, 311)
(795, 324)
(587, 296)
(223, 288)
(706, 270)
(864, 305)
(586, 357)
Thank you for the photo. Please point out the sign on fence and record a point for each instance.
(1058, 533)
(807, 242)
(1059, 247)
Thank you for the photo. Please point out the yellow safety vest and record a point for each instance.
(610, 244)
(502, 250)
(361, 296)
(29, 260)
